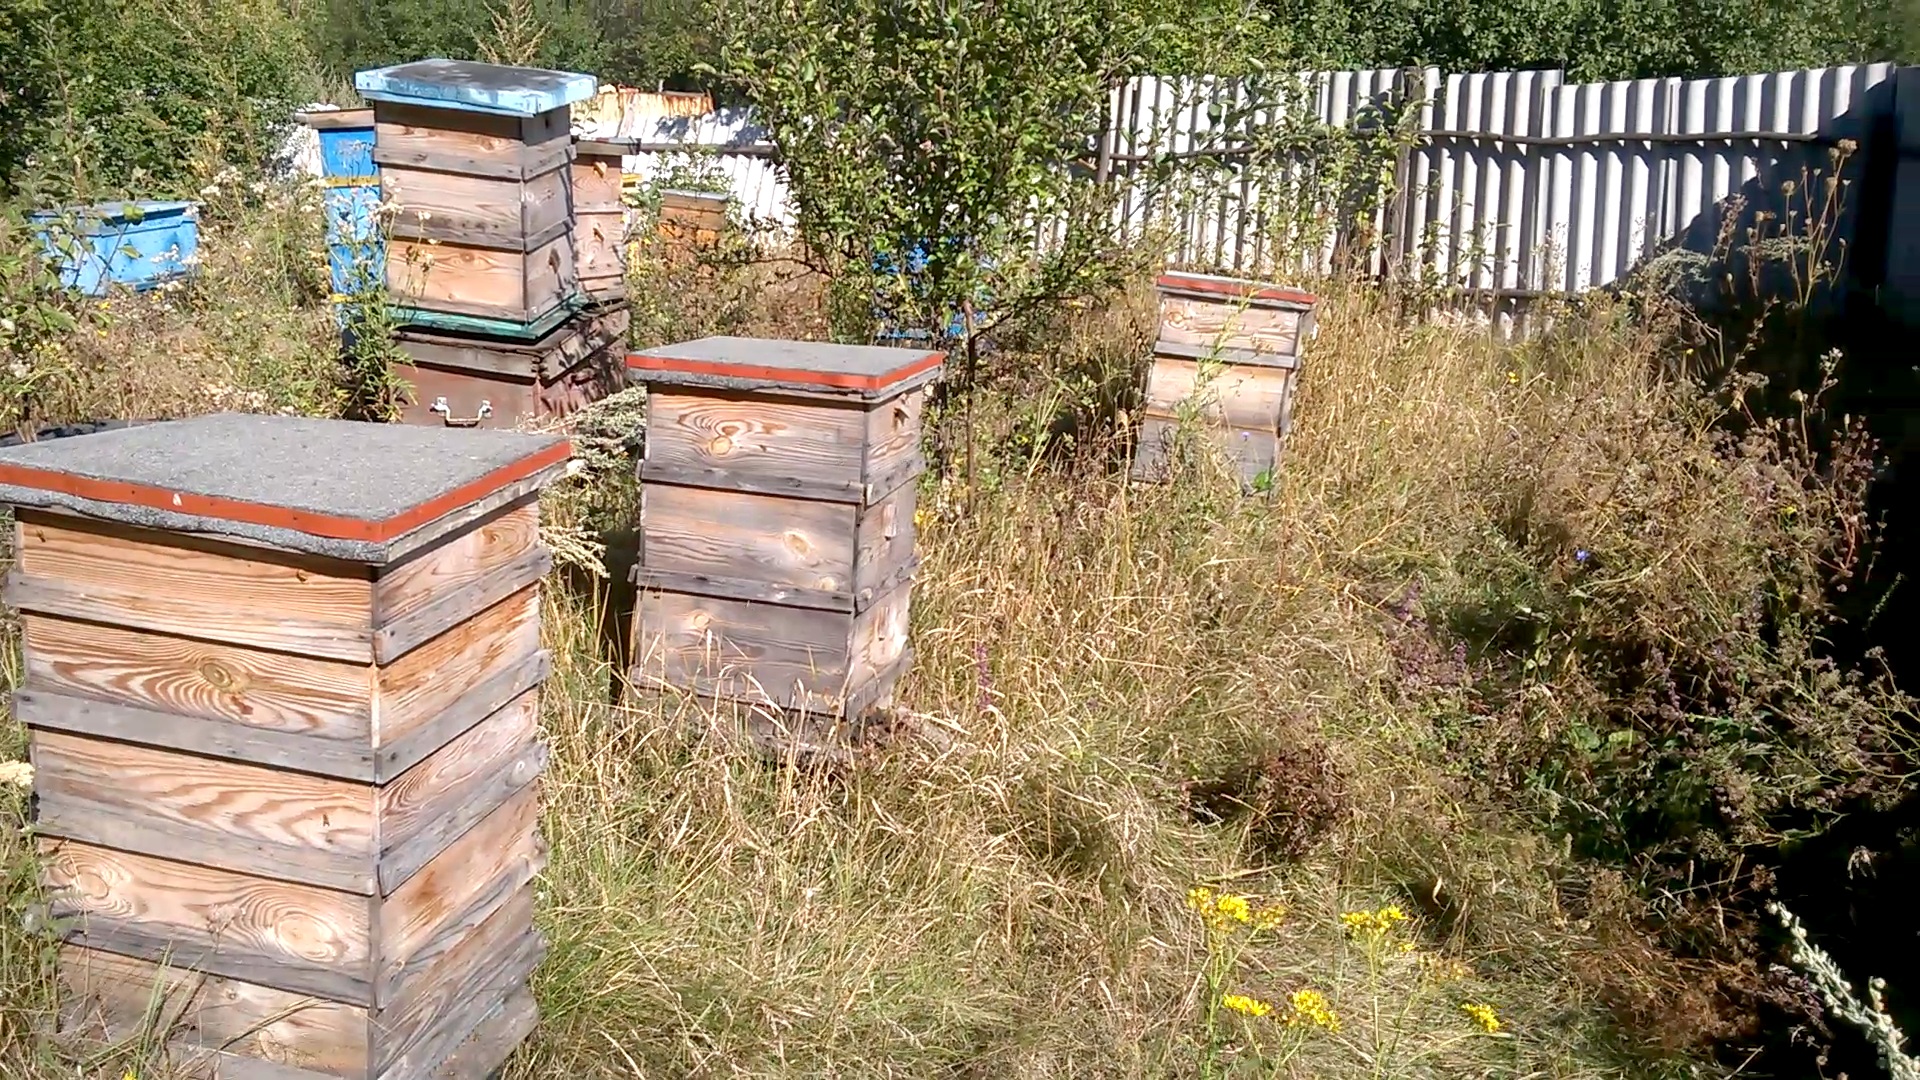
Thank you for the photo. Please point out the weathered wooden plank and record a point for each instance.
(754, 443)
(486, 963)
(416, 689)
(476, 144)
(1186, 320)
(434, 803)
(513, 215)
(402, 588)
(884, 540)
(789, 657)
(481, 699)
(728, 588)
(1251, 454)
(1224, 356)
(290, 937)
(157, 581)
(879, 637)
(350, 759)
(1251, 398)
(482, 282)
(270, 823)
(463, 885)
(240, 1028)
(798, 543)
(450, 610)
(277, 692)
(493, 1041)
(893, 440)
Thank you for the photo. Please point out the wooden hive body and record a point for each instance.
(776, 533)
(477, 159)
(600, 221)
(462, 380)
(283, 724)
(1227, 357)
(692, 219)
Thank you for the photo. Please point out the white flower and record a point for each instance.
(6, 326)
(16, 774)
(210, 191)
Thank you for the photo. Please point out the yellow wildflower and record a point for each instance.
(1513, 378)
(1310, 1008)
(1374, 924)
(1484, 1016)
(1200, 898)
(1270, 917)
(1246, 1006)
(1235, 908)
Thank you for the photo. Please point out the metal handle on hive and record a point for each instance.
(440, 406)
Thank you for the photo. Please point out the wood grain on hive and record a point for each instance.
(466, 380)
(281, 678)
(477, 158)
(692, 220)
(600, 220)
(1227, 357)
(776, 526)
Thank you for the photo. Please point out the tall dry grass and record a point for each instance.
(1121, 694)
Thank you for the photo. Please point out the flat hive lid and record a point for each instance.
(471, 86)
(869, 372)
(361, 492)
(1214, 286)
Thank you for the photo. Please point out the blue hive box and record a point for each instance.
(137, 244)
(471, 86)
(356, 252)
(890, 331)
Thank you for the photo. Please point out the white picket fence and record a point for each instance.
(1517, 184)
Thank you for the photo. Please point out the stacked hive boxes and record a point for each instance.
(776, 526)
(281, 699)
(1228, 355)
(484, 264)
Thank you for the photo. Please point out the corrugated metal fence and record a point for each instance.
(1510, 184)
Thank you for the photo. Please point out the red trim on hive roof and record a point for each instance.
(311, 522)
(838, 379)
(1234, 287)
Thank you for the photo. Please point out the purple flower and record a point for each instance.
(1582, 555)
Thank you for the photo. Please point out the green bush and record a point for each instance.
(146, 96)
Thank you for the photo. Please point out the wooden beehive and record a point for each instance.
(600, 221)
(281, 700)
(476, 159)
(1228, 357)
(462, 380)
(776, 527)
(692, 220)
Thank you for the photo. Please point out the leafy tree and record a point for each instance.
(99, 95)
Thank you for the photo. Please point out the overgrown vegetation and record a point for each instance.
(1469, 748)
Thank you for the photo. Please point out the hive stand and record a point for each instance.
(600, 221)
(1229, 352)
(477, 159)
(281, 685)
(776, 527)
(465, 380)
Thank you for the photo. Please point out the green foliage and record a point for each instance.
(932, 128)
(36, 318)
(352, 35)
(1599, 39)
(105, 95)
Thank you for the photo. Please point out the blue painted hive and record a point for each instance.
(137, 244)
(355, 249)
(475, 160)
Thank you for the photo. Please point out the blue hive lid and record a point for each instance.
(116, 212)
(471, 86)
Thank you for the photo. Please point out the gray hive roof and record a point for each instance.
(360, 492)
